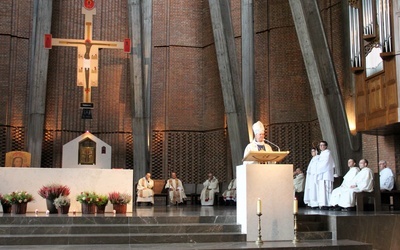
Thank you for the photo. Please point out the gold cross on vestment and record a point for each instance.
(88, 51)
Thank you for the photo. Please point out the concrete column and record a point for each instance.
(323, 81)
(248, 62)
(140, 31)
(39, 58)
(230, 79)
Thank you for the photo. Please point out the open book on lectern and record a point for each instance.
(265, 156)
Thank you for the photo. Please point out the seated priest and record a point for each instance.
(211, 187)
(386, 177)
(347, 182)
(175, 190)
(362, 182)
(145, 193)
(229, 195)
(298, 180)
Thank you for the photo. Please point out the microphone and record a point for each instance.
(273, 144)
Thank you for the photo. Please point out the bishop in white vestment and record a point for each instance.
(258, 143)
(211, 187)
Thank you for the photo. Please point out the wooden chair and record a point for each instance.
(159, 190)
(374, 195)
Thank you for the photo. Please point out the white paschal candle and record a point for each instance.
(259, 206)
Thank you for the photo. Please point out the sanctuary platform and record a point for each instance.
(194, 227)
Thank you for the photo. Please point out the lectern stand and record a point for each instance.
(273, 184)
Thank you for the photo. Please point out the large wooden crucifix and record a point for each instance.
(88, 54)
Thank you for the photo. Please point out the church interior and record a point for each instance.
(175, 86)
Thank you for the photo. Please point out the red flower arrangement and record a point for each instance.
(119, 198)
(53, 191)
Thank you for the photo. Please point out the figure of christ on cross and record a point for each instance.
(88, 51)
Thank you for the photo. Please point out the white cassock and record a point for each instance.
(325, 169)
(298, 183)
(310, 190)
(365, 183)
(145, 191)
(208, 192)
(175, 191)
(255, 146)
(230, 193)
(386, 179)
(348, 180)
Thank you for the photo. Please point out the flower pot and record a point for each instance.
(6, 208)
(50, 206)
(63, 209)
(120, 208)
(19, 208)
(88, 208)
(101, 209)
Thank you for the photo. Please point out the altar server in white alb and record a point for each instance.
(211, 187)
(325, 171)
(145, 190)
(258, 143)
(386, 177)
(175, 190)
(362, 182)
(347, 182)
(310, 190)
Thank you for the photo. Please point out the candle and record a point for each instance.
(391, 200)
(114, 211)
(47, 212)
(259, 206)
(295, 206)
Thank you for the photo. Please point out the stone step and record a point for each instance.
(306, 226)
(146, 238)
(31, 219)
(117, 228)
(316, 235)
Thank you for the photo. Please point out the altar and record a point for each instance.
(101, 181)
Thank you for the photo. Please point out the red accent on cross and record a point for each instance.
(127, 45)
(47, 41)
(88, 4)
(87, 90)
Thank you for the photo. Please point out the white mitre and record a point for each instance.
(258, 128)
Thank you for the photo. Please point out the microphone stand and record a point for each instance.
(273, 144)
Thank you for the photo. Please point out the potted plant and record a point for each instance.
(52, 191)
(119, 201)
(5, 203)
(88, 202)
(101, 203)
(62, 203)
(19, 201)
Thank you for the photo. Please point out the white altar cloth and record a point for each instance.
(101, 181)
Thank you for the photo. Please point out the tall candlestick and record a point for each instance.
(295, 206)
(259, 206)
